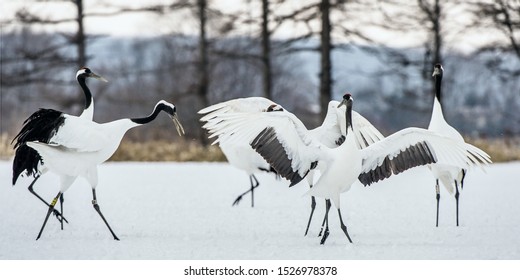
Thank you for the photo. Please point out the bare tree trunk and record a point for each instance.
(266, 50)
(80, 36)
(325, 73)
(507, 22)
(203, 54)
(203, 61)
(436, 20)
(433, 53)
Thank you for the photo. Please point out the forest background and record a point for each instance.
(300, 54)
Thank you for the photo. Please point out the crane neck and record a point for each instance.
(438, 86)
(88, 95)
(348, 118)
(437, 103)
(149, 118)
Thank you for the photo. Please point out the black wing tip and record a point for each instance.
(413, 156)
(26, 161)
(40, 126)
(295, 182)
(269, 147)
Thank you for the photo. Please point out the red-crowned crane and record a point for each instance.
(79, 145)
(450, 176)
(287, 146)
(27, 161)
(240, 154)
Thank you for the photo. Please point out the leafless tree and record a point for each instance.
(266, 50)
(425, 18)
(334, 23)
(78, 38)
(502, 16)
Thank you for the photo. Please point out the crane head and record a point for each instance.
(347, 100)
(85, 72)
(437, 70)
(171, 110)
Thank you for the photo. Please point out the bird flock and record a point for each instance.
(255, 134)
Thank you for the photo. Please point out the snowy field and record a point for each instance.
(183, 211)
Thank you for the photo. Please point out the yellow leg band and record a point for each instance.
(54, 201)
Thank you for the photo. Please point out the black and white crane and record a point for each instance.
(332, 134)
(242, 156)
(27, 161)
(77, 146)
(450, 176)
(287, 146)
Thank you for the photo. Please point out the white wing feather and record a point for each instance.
(334, 124)
(239, 105)
(80, 134)
(445, 150)
(301, 148)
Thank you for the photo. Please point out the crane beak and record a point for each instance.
(436, 72)
(343, 102)
(178, 125)
(96, 76)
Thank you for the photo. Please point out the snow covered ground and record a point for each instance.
(183, 211)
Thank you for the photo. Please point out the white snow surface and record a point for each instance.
(182, 211)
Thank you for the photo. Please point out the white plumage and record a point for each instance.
(25, 161)
(80, 145)
(450, 176)
(241, 155)
(220, 123)
(286, 144)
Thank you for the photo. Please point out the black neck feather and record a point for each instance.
(86, 90)
(348, 116)
(438, 80)
(149, 118)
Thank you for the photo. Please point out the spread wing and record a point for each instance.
(279, 137)
(412, 147)
(239, 105)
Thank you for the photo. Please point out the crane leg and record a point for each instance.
(56, 213)
(61, 208)
(462, 179)
(51, 208)
(324, 221)
(326, 233)
(96, 206)
(457, 201)
(253, 186)
(438, 196)
(313, 206)
(343, 226)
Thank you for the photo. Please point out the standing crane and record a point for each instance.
(28, 162)
(449, 175)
